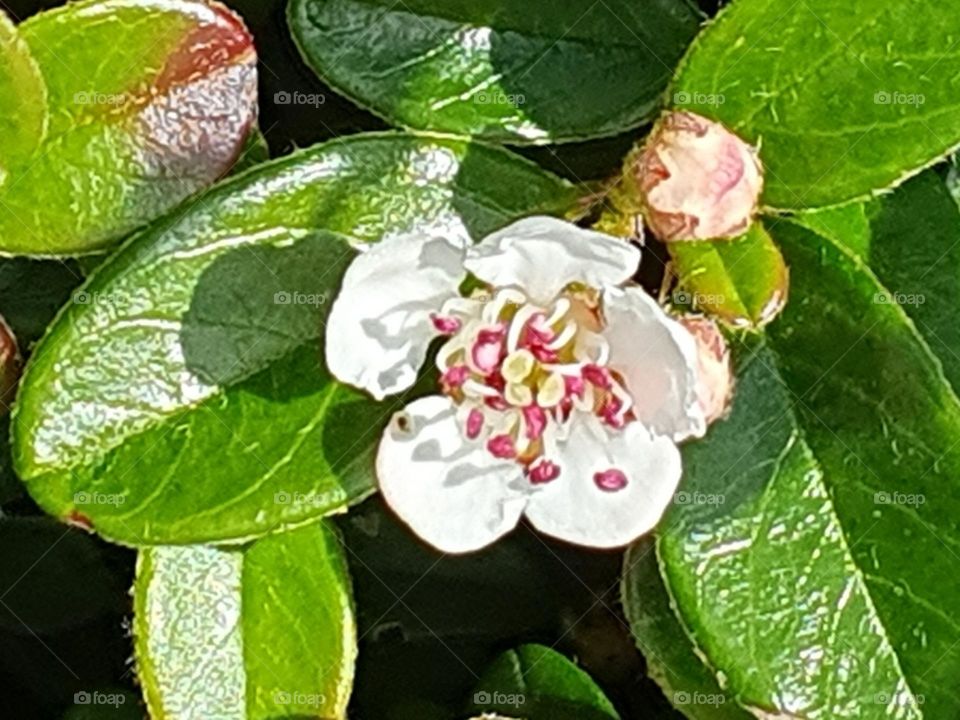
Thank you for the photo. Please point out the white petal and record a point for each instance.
(451, 492)
(541, 255)
(574, 508)
(658, 359)
(379, 326)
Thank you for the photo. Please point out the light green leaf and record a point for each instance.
(535, 72)
(23, 99)
(253, 634)
(845, 98)
(180, 381)
(538, 683)
(742, 281)
(149, 102)
(829, 485)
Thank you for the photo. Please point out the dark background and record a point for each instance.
(428, 625)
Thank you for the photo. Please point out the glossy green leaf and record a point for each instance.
(845, 98)
(186, 379)
(263, 632)
(830, 484)
(534, 72)
(149, 102)
(538, 683)
(743, 281)
(23, 99)
(671, 660)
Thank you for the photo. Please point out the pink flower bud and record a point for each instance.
(698, 181)
(10, 363)
(714, 377)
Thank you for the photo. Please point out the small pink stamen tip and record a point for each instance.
(543, 354)
(488, 349)
(455, 376)
(610, 480)
(536, 420)
(496, 403)
(573, 385)
(543, 472)
(445, 324)
(539, 330)
(474, 424)
(501, 446)
(596, 375)
(610, 412)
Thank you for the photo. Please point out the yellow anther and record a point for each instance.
(517, 366)
(518, 395)
(552, 390)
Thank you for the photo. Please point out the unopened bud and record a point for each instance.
(714, 376)
(697, 180)
(10, 363)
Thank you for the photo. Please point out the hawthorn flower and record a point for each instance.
(697, 180)
(563, 388)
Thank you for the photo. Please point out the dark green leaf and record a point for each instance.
(537, 683)
(23, 99)
(534, 72)
(830, 486)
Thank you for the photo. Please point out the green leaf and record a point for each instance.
(263, 632)
(149, 102)
(538, 683)
(846, 99)
(52, 577)
(23, 99)
(180, 382)
(669, 652)
(829, 488)
(742, 281)
(534, 72)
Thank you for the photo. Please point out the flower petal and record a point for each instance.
(658, 359)
(541, 255)
(379, 327)
(450, 491)
(613, 485)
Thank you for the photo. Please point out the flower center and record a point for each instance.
(518, 369)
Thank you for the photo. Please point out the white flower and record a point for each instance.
(697, 179)
(563, 390)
